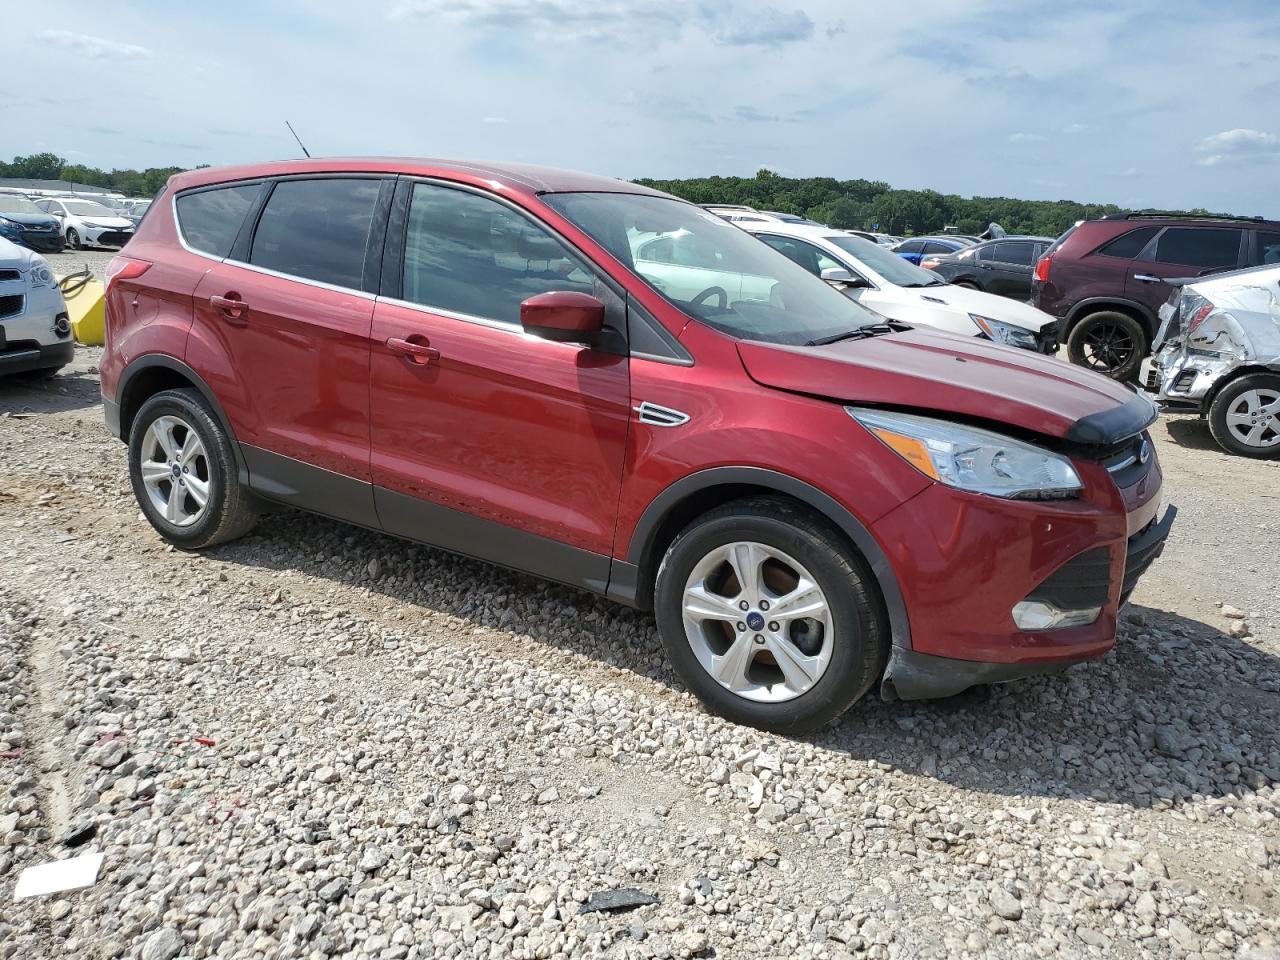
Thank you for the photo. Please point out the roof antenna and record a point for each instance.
(298, 138)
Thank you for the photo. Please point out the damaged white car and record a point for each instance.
(1218, 352)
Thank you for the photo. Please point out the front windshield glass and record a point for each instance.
(11, 204)
(712, 270)
(87, 208)
(884, 261)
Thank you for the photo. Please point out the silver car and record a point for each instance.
(1218, 352)
(35, 333)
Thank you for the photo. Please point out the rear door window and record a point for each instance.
(466, 254)
(1203, 247)
(1268, 247)
(210, 219)
(317, 229)
(911, 246)
(1129, 245)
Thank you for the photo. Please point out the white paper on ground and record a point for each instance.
(58, 876)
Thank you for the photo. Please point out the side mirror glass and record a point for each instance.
(837, 275)
(563, 315)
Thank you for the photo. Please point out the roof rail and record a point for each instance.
(1172, 215)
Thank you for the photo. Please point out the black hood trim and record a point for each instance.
(1112, 426)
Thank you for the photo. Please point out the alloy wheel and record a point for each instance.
(1254, 418)
(1108, 347)
(175, 470)
(758, 622)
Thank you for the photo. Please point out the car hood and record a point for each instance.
(114, 222)
(932, 371)
(31, 219)
(14, 257)
(987, 304)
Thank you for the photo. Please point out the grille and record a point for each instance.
(1080, 583)
(10, 275)
(1129, 460)
(11, 306)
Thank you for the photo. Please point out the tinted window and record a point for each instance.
(805, 254)
(987, 252)
(1199, 247)
(1018, 251)
(911, 246)
(211, 219)
(1268, 247)
(317, 229)
(471, 255)
(934, 246)
(1130, 244)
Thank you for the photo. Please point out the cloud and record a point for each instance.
(768, 28)
(1074, 128)
(95, 48)
(618, 21)
(1026, 138)
(1240, 145)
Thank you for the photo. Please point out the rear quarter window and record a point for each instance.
(210, 219)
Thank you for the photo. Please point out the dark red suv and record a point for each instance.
(1105, 279)
(811, 500)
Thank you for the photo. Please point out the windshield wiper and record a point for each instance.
(862, 332)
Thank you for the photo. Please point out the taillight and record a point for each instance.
(1199, 317)
(929, 264)
(1042, 269)
(125, 268)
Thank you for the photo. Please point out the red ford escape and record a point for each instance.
(498, 361)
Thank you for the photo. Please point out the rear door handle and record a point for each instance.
(415, 349)
(233, 308)
(1147, 278)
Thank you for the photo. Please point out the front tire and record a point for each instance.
(184, 472)
(770, 617)
(1110, 343)
(1245, 417)
(73, 239)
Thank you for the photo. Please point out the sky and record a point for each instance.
(1143, 103)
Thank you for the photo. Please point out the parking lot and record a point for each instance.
(321, 741)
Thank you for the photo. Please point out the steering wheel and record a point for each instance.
(712, 292)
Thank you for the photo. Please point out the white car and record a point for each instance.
(87, 223)
(35, 332)
(881, 280)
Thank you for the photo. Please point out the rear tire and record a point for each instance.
(1248, 408)
(1110, 343)
(968, 285)
(184, 473)
(816, 603)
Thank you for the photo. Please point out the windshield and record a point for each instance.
(87, 208)
(11, 204)
(885, 262)
(712, 270)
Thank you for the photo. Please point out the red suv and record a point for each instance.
(1105, 279)
(479, 358)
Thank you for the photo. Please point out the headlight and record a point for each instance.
(40, 274)
(1004, 332)
(9, 226)
(973, 459)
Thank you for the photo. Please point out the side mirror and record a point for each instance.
(562, 315)
(836, 275)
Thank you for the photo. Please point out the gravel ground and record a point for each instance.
(320, 741)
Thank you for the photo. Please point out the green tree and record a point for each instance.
(38, 166)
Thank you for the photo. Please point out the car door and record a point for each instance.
(1009, 268)
(910, 251)
(1182, 252)
(288, 317)
(485, 440)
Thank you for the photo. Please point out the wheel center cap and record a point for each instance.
(755, 620)
(176, 471)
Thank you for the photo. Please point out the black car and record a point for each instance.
(1001, 266)
(23, 222)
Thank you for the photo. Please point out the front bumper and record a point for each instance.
(21, 357)
(43, 241)
(964, 561)
(105, 236)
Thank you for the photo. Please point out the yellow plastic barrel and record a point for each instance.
(86, 308)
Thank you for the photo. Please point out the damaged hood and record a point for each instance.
(930, 371)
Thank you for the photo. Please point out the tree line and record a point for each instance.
(874, 205)
(48, 166)
(845, 204)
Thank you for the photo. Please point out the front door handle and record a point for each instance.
(415, 349)
(1147, 278)
(233, 308)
